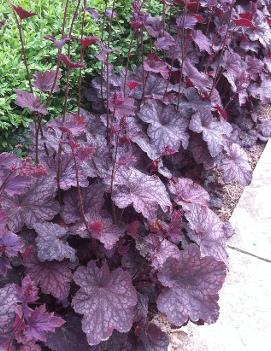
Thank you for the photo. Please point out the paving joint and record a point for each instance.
(249, 253)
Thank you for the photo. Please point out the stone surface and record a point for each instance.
(245, 300)
(252, 217)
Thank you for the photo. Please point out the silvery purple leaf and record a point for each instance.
(30, 346)
(141, 309)
(199, 80)
(52, 277)
(155, 87)
(28, 291)
(30, 101)
(202, 41)
(8, 303)
(10, 243)
(213, 132)
(154, 26)
(187, 192)
(69, 337)
(106, 300)
(167, 128)
(191, 287)
(200, 152)
(44, 81)
(145, 193)
(159, 250)
(262, 91)
(93, 198)
(51, 243)
(103, 229)
(165, 42)
(155, 65)
(207, 231)
(152, 338)
(235, 166)
(36, 205)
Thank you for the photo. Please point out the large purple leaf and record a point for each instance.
(167, 128)
(93, 198)
(192, 284)
(202, 41)
(8, 303)
(207, 231)
(51, 242)
(141, 309)
(235, 166)
(152, 338)
(155, 87)
(28, 291)
(106, 299)
(30, 101)
(44, 81)
(145, 193)
(187, 192)
(52, 277)
(36, 205)
(69, 337)
(213, 132)
(155, 65)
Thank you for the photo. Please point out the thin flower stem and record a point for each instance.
(183, 55)
(102, 39)
(143, 59)
(107, 72)
(113, 177)
(127, 63)
(82, 51)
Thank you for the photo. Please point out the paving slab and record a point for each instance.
(251, 218)
(245, 300)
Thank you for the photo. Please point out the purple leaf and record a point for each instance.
(69, 63)
(262, 91)
(28, 292)
(141, 309)
(200, 152)
(187, 192)
(22, 13)
(103, 229)
(30, 346)
(165, 42)
(159, 250)
(106, 299)
(10, 243)
(120, 105)
(202, 41)
(36, 205)
(207, 231)
(154, 26)
(167, 129)
(67, 172)
(38, 323)
(58, 43)
(213, 132)
(44, 81)
(199, 80)
(155, 65)
(153, 339)
(51, 243)
(30, 101)
(235, 166)
(192, 284)
(94, 14)
(52, 277)
(69, 337)
(8, 303)
(155, 87)
(93, 198)
(145, 193)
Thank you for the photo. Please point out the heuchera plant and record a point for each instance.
(110, 223)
